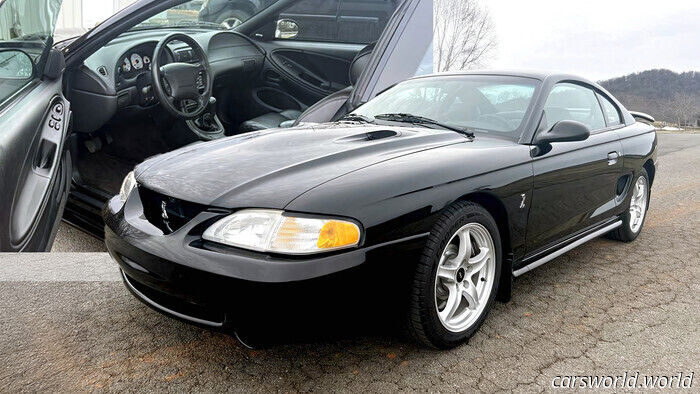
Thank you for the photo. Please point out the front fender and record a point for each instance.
(404, 196)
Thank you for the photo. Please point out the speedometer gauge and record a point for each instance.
(126, 65)
(136, 61)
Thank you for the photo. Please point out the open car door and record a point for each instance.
(403, 51)
(34, 123)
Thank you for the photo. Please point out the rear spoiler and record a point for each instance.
(642, 116)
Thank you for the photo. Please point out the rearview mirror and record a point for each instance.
(15, 64)
(286, 29)
(565, 131)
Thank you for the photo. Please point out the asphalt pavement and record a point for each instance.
(607, 308)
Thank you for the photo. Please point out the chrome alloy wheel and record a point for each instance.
(230, 23)
(638, 204)
(465, 276)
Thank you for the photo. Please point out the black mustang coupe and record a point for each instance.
(442, 189)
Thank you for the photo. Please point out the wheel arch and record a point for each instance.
(498, 211)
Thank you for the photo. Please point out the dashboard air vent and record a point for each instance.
(102, 70)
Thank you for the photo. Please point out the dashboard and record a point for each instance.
(117, 77)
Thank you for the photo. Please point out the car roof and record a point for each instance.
(532, 74)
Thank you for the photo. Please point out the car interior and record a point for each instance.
(259, 81)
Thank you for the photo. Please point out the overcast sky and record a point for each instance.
(597, 39)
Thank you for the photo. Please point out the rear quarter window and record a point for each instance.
(611, 112)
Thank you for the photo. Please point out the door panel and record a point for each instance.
(575, 186)
(308, 71)
(34, 123)
(34, 167)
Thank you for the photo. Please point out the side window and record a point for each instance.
(612, 114)
(342, 21)
(569, 101)
(25, 29)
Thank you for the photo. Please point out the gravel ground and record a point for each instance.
(606, 308)
(71, 240)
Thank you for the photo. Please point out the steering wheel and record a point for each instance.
(489, 118)
(174, 83)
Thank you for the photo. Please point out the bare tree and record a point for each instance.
(685, 108)
(463, 33)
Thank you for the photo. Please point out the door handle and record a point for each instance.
(45, 157)
(612, 158)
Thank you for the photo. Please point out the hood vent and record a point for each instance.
(102, 70)
(370, 136)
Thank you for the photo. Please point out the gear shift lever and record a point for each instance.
(208, 126)
(207, 121)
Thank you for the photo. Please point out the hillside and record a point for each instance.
(665, 94)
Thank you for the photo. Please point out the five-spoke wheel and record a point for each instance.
(456, 280)
(464, 277)
(633, 219)
(638, 204)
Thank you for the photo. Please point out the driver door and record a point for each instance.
(34, 123)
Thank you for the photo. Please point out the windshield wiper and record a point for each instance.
(357, 118)
(421, 120)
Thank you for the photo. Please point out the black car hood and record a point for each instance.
(269, 169)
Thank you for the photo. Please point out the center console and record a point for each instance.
(207, 127)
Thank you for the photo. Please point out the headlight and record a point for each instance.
(127, 186)
(277, 232)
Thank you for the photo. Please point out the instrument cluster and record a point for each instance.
(135, 63)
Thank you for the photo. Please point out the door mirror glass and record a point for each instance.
(15, 64)
(286, 29)
(565, 131)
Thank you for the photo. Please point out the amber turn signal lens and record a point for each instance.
(335, 234)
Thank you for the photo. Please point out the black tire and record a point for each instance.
(624, 233)
(423, 323)
(240, 15)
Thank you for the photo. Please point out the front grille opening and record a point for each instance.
(179, 305)
(167, 213)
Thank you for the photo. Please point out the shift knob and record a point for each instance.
(212, 105)
(208, 119)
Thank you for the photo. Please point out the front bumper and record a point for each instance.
(183, 277)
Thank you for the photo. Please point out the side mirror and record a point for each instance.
(16, 64)
(286, 29)
(55, 64)
(564, 131)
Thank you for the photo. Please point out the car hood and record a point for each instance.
(269, 169)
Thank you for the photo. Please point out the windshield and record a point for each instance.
(79, 16)
(478, 103)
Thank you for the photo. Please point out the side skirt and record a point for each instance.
(559, 252)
